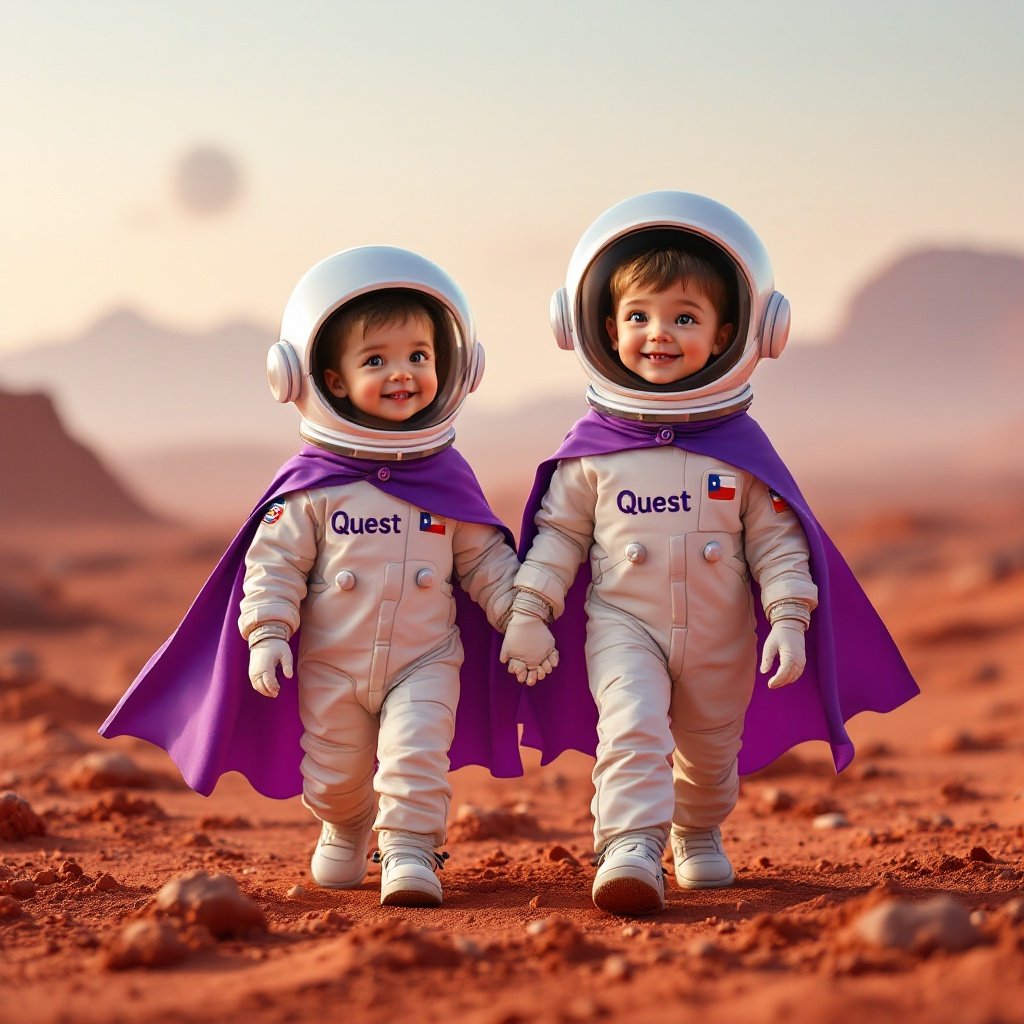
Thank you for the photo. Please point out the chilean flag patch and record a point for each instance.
(431, 523)
(779, 503)
(274, 512)
(721, 486)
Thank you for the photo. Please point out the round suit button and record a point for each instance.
(666, 435)
(346, 580)
(635, 553)
(425, 578)
(712, 551)
(383, 473)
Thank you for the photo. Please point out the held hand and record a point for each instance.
(529, 648)
(264, 658)
(785, 641)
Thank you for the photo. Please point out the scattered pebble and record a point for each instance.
(145, 943)
(827, 821)
(979, 853)
(45, 877)
(774, 799)
(295, 892)
(1014, 911)
(557, 853)
(475, 823)
(17, 819)
(938, 924)
(9, 907)
(537, 901)
(105, 883)
(105, 769)
(213, 901)
(616, 968)
(21, 889)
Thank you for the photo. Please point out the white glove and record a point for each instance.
(264, 657)
(529, 648)
(785, 641)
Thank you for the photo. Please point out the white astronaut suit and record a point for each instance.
(369, 577)
(672, 537)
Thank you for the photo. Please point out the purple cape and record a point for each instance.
(193, 697)
(853, 664)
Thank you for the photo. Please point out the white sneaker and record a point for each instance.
(629, 877)
(408, 871)
(701, 862)
(339, 860)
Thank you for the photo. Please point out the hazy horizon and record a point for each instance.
(191, 161)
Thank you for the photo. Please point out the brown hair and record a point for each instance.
(369, 312)
(661, 268)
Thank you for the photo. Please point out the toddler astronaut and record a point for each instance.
(674, 498)
(344, 578)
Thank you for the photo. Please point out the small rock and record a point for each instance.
(979, 853)
(978, 918)
(145, 943)
(616, 968)
(557, 853)
(937, 924)
(630, 931)
(213, 901)
(537, 901)
(296, 891)
(703, 948)
(828, 821)
(198, 839)
(22, 889)
(775, 799)
(44, 877)
(9, 907)
(105, 883)
(1014, 911)
(537, 927)
(467, 946)
(107, 770)
(17, 819)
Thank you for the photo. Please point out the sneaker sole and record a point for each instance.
(410, 898)
(627, 896)
(686, 883)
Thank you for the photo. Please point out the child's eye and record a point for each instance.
(637, 317)
(418, 357)
(374, 361)
(684, 320)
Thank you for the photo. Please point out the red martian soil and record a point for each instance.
(892, 892)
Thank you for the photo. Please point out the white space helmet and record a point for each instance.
(679, 220)
(294, 363)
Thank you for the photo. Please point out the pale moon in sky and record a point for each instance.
(207, 180)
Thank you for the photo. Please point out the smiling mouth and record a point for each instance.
(660, 357)
(401, 396)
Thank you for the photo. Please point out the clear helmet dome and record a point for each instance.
(296, 363)
(722, 239)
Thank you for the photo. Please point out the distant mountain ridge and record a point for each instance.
(926, 364)
(48, 477)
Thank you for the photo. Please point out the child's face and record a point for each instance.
(388, 372)
(666, 336)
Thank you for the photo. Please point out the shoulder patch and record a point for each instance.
(779, 503)
(274, 511)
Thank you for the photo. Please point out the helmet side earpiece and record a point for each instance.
(775, 326)
(284, 372)
(476, 367)
(560, 323)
